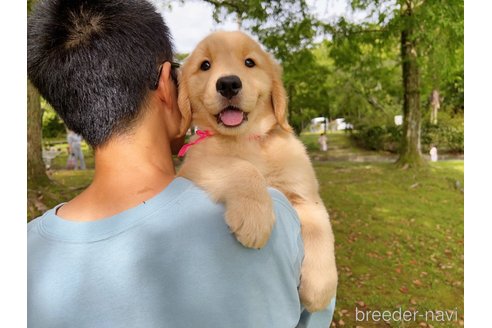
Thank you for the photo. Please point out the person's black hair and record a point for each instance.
(95, 61)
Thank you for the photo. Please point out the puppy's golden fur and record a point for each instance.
(238, 162)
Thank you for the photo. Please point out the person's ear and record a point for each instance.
(165, 90)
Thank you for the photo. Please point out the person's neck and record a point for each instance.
(128, 171)
(141, 167)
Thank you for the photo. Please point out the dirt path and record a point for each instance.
(342, 149)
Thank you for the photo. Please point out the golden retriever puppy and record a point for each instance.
(232, 89)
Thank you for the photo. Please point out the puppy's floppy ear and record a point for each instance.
(279, 98)
(184, 106)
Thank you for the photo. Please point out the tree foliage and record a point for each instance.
(53, 126)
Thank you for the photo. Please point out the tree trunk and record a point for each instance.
(435, 104)
(410, 153)
(36, 171)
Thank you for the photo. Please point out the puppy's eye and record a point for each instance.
(249, 62)
(205, 66)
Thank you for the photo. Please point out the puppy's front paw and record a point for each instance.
(318, 286)
(251, 221)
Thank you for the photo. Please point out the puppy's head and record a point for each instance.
(229, 85)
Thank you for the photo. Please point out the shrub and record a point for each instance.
(455, 138)
(447, 136)
(53, 126)
(378, 137)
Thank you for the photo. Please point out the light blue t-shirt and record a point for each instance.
(168, 262)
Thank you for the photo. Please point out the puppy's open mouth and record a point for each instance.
(231, 116)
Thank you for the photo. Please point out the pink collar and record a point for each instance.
(202, 135)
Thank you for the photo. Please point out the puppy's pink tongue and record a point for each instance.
(231, 117)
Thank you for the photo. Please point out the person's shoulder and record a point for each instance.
(281, 202)
(195, 206)
(193, 193)
(196, 191)
(196, 197)
(33, 223)
(286, 216)
(195, 200)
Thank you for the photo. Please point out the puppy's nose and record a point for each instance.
(229, 86)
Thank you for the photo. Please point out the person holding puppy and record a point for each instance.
(140, 247)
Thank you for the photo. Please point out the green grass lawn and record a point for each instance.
(399, 238)
(399, 233)
(66, 184)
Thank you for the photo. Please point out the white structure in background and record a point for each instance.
(342, 125)
(399, 119)
(318, 125)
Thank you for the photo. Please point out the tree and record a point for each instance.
(410, 153)
(36, 170)
(364, 78)
(419, 26)
(442, 57)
